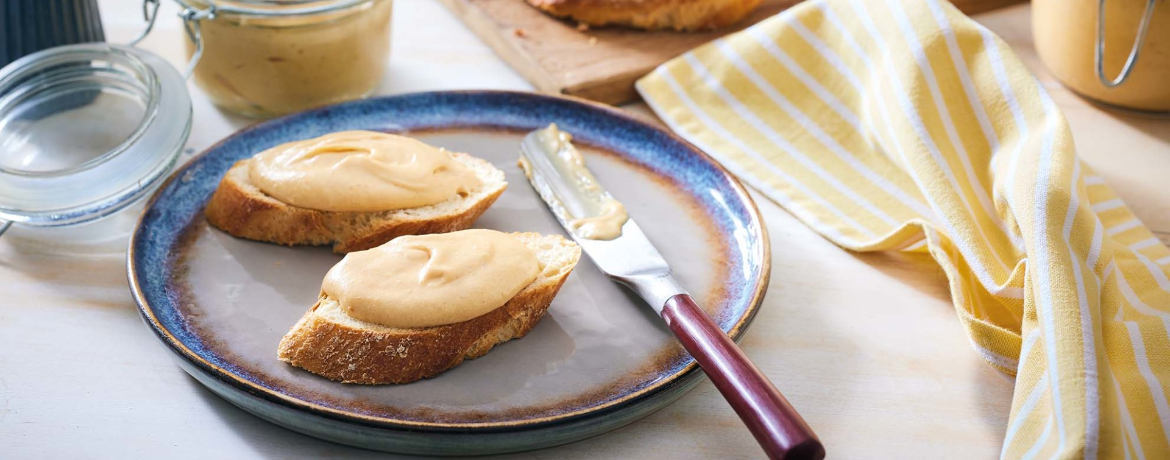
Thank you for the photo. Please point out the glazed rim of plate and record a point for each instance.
(736, 331)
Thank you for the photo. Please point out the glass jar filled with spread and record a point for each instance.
(262, 58)
(1111, 51)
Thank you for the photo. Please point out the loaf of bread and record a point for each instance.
(329, 342)
(678, 15)
(242, 210)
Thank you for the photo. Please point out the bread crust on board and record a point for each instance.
(677, 15)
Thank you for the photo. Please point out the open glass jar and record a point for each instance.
(86, 131)
(263, 58)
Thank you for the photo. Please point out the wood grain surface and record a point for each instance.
(601, 64)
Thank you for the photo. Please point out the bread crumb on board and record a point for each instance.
(582, 26)
(519, 32)
(592, 41)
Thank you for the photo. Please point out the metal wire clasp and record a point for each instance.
(191, 17)
(1134, 50)
(149, 13)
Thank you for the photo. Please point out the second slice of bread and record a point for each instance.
(242, 210)
(329, 342)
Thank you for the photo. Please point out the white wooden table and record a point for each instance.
(867, 347)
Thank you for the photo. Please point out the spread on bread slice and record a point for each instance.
(420, 305)
(353, 190)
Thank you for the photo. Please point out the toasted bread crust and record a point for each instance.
(355, 352)
(243, 211)
(351, 355)
(678, 15)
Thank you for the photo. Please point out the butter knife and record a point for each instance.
(615, 243)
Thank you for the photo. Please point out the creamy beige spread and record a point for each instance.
(360, 171)
(598, 215)
(265, 65)
(604, 226)
(432, 280)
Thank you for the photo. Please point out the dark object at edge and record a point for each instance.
(28, 26)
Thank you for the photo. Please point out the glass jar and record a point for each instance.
(263, 58)
(86, 132)
(1112, 51)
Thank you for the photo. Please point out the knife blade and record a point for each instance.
(618, 247)
(629, 258)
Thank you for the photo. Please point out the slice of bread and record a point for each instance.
(328, 342)
(242, 210)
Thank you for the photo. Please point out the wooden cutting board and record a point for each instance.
(599, 64)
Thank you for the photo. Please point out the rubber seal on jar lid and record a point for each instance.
(86, 130)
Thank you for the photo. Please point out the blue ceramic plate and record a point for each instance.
(600, 359)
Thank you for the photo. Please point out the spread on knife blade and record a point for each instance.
(586, 208)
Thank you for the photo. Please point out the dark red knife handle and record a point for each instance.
(774, 423)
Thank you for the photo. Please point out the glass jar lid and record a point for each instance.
(86, 130)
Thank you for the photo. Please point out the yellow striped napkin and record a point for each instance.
(904, 125)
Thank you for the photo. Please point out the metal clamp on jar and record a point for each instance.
(1073, 38)
(263, 58)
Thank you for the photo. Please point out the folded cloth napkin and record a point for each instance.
(904, 125)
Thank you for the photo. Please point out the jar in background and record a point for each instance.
(1134, 70)
(262, 58)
